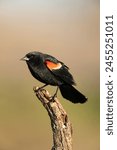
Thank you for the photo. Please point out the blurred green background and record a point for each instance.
(68, 30)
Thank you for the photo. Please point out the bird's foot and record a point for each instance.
(37, 89)
(53, 98)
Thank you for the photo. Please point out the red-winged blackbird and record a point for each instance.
(49, 70)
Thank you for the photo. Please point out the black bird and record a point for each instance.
(50, 71)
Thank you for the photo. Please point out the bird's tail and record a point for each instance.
(71, 94)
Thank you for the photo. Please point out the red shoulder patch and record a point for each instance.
(52, 65)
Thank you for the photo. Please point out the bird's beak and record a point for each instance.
(25, 58)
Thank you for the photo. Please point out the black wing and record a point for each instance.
(59, 69)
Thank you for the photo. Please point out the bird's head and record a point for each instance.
(30, 57)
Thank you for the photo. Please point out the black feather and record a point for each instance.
(71, 94)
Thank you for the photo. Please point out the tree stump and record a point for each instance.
(61, 126)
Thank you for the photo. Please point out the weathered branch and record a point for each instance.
(61, 126)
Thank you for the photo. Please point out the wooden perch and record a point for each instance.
(61, 126)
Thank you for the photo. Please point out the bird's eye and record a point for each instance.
(30, 56)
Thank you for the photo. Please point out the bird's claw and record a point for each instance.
(52, 98)
(37, 89)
